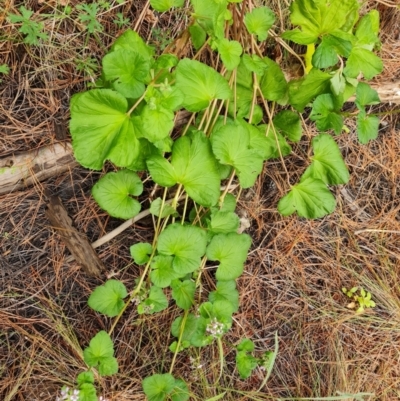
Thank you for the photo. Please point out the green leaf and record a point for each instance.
(180, 391)
(367, 127)
(113, 193)
(101, 352)
(87, 392)
(211, 16)
(198, 35)
(326, 114)
(229, 204)
(156, 302)
(254, 63)
(297, 36)
(156, 123)
(230, 51)
(167, 210)
(363, 61)
(365, 95)
(85, 377)
(220, 310)
(140, 252)
(328, 165)
(231, 146)
(183, 293)
(108, 298)
(367, 30)
(192, 165)
(157, 387)
(101, 129)
(244, 101)
(226, 291)
(162, 271)
(186, 243)
(127, 70)
(166, 62)
(165, 5)
(273, 145)
(4, 69)
(325, 56)
(245, 345)
(161, 171)
(231, 251)
(188, 330)
(273, 84)
(129, 41)
(196, 168)
(304, 90)
(310, 198)
(245, 364)
(320, 17)
(288, 123)
(200, 84)
(259, 21)
(223, 222)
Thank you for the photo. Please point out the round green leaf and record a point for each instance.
(310, 198)
(231, 251)
(180, 391)
(157, 387)
(186, 243)
(101, 129)
(140, 252)
(259, 21)
(230, 51)
(101, 352)
(113, 193)
(200, 84)
(127, 70)
(108, 298)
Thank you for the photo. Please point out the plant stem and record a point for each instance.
(183, 322)
(221, 359)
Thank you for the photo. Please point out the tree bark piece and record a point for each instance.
(19, 171)
(76, 242)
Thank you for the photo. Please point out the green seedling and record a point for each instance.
(361, 300)
(88, 16)
(32, 30)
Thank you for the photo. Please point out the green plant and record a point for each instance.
(32, 29)
(360, 301)
(88, 16)
(121, 21)
(4, 69)
(243, 114)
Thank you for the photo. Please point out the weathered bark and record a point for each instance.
(19, 171)
(76, 242)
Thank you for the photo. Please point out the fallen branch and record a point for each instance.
(20, 171)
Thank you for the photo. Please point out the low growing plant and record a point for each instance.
(31, 29)
(361, 300)
(243, 113)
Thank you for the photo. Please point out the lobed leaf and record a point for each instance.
(108, 298)
(200, 84)
(101, 352)
(310, 199)
(328, 164)
(101, 129)
(113, 193)
(231, 251)
(186, 243)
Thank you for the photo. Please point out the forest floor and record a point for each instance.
(293, 276)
